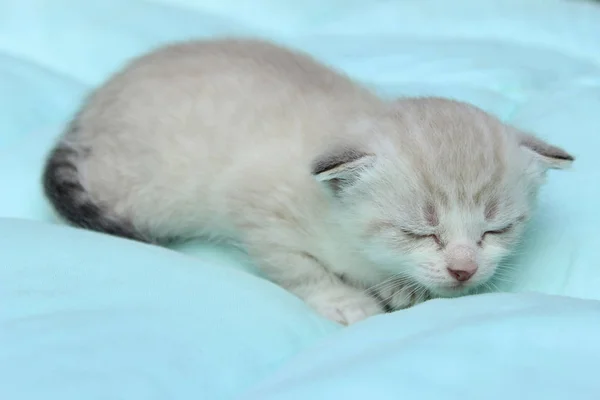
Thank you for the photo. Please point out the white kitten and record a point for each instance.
(330, 189)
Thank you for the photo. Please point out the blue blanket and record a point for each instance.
(84, 315)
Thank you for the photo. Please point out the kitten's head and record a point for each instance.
(439, 193)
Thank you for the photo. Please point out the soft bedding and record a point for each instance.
(84, 315)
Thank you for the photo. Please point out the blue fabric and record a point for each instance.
(482, 347)
(83, 315)
(88, 316)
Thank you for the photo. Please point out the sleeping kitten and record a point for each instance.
(347, 200)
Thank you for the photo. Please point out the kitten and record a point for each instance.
(347, 200)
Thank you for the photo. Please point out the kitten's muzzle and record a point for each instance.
(461, 263)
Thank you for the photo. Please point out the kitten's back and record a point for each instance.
(159, 146)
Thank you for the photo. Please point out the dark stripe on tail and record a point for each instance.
(69, 198)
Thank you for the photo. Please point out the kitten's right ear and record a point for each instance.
(340, 168)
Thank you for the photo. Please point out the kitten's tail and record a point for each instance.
(63, 188)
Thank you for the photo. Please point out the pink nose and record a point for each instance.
(461, 275)
(461, 262)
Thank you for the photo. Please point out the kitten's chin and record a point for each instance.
(452, 290)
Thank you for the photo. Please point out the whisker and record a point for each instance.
(396, 280)
(503, 280)
(382, 285)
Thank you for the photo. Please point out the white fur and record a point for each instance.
(218, 139)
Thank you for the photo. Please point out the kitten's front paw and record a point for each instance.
(344, 305)
(399, 298)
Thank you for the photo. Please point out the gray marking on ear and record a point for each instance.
(336, 159)
(549, 155)
(340, 167)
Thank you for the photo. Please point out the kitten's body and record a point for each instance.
(316, 177)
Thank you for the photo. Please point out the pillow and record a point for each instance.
(88, 316)
(495, 346)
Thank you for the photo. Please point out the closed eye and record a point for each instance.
(499, 231)
(496, 232)
(420, 236)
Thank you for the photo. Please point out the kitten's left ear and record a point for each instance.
(551, 157)
(342, 167)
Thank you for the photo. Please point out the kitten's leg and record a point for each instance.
(304, 276)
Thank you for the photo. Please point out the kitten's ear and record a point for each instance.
(551, 157)
(339, 168)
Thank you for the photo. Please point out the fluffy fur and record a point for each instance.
(347, 200)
